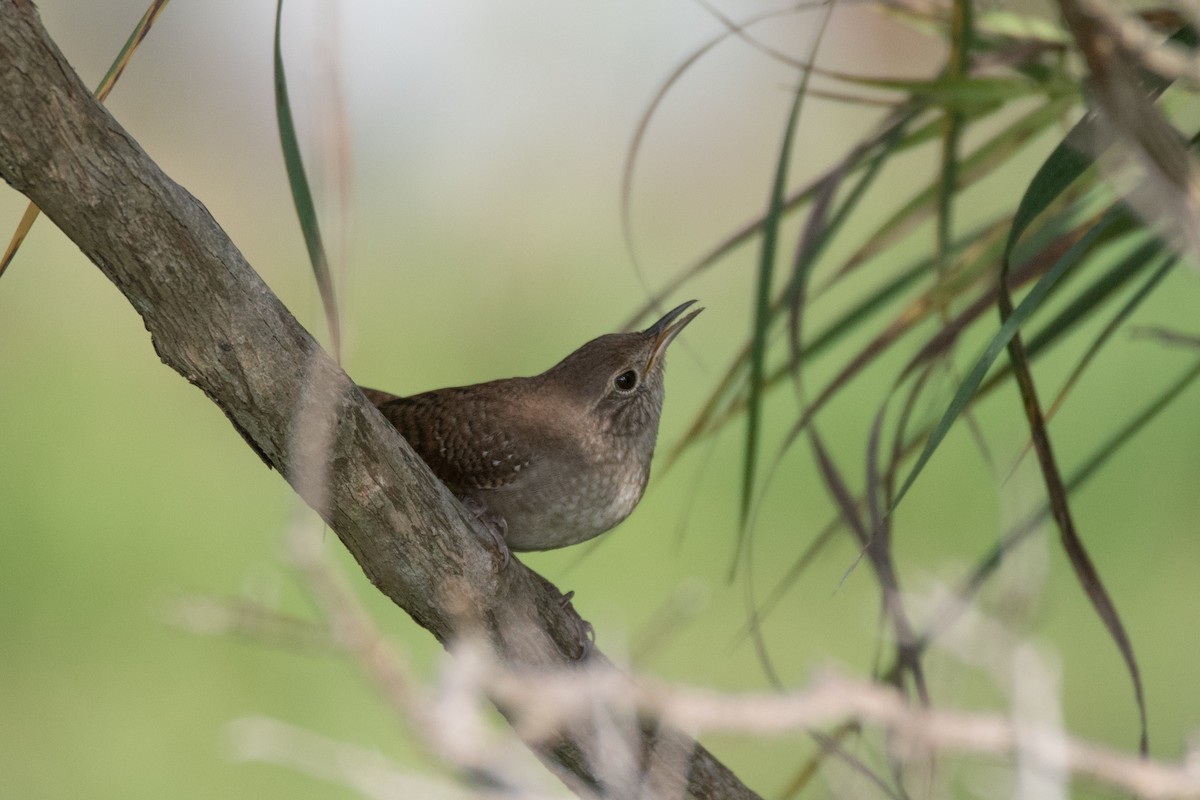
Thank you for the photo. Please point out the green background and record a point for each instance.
(482, 239)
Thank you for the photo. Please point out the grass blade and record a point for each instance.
(639, 134)
(1081, 561)
(301, 193)
(1000, 340)
(762, 307)
(900, 117)
(107, 83)
(944, 617)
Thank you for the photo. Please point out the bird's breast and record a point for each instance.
(561, 506)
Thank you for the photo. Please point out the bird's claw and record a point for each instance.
(496, 527)
(585, 633)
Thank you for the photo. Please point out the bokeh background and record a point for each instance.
(481, 237)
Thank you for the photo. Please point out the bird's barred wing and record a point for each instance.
(468, 448)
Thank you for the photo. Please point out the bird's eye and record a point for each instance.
(626, 382)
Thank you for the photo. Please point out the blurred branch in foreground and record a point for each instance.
(451, 714)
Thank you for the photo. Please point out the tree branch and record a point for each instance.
(214, 321)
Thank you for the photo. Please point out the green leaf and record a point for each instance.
(762, 303)
(1000, 340)
(306, 211)
(967, 93)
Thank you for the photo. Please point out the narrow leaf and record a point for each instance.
(301, 193)
(762, 304)
(106, 85)
(1000, 340)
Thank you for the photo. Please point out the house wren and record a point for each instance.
(556, 458)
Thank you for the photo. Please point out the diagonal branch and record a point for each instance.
(213, 320)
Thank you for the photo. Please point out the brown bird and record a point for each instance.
(553, 459)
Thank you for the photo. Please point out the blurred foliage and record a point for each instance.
(1087, 216)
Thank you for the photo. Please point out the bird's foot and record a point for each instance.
(495, 527)
(583, 629)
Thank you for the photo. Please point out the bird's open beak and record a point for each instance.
(666, 329)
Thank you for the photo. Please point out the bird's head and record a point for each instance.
(618, 378)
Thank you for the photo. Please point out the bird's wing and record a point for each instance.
(460, 436)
